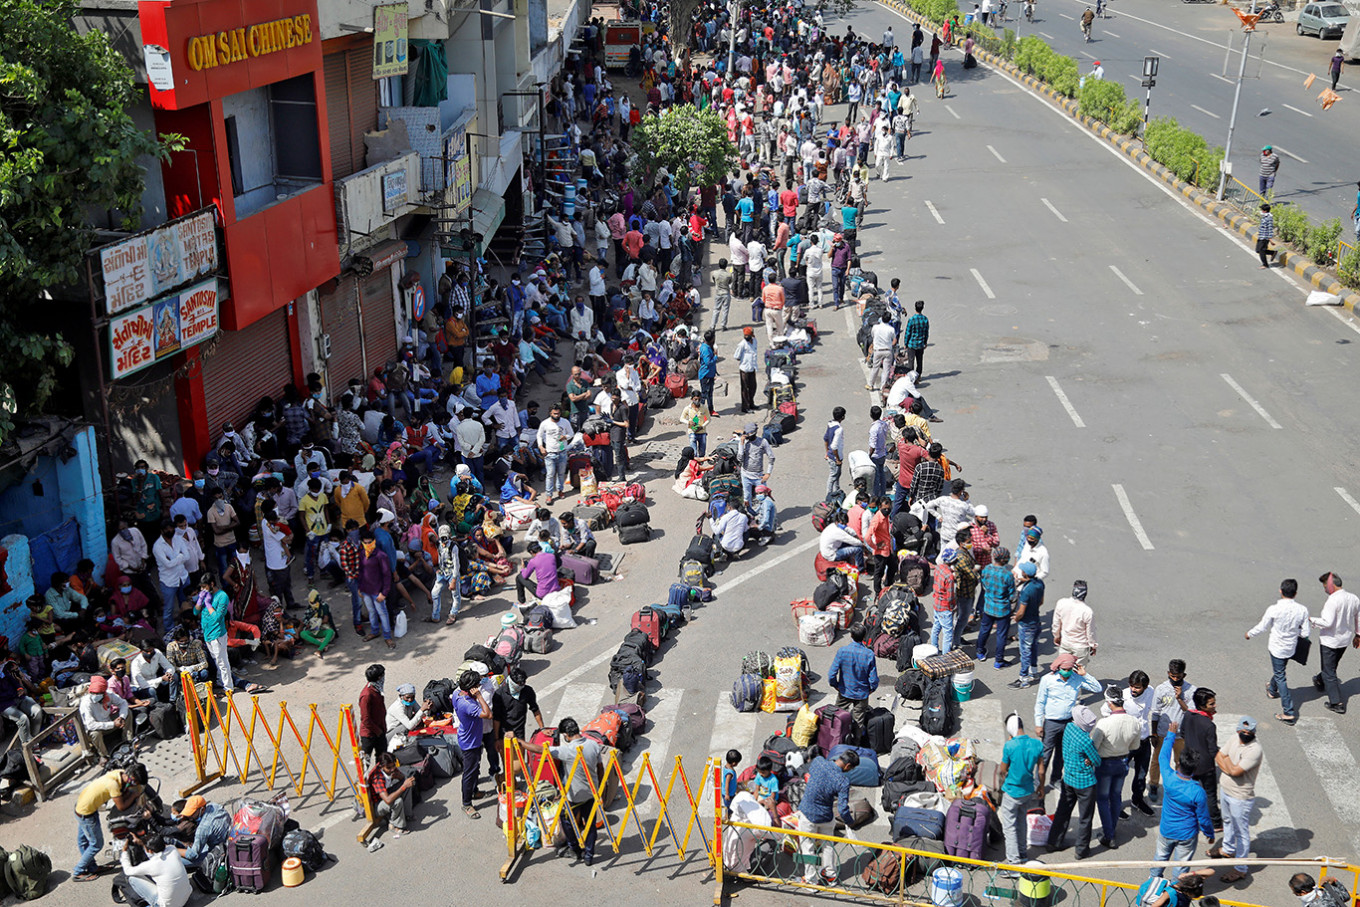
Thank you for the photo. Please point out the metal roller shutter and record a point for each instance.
(351, 108)
(363, 101)
(245, 366)
(340, 321)
(380, 320)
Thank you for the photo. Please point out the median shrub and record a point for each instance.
(1183, 152)
(1105, 101)
(1320, 243)
(1291, 224)
(1348, 271)
(935, 10)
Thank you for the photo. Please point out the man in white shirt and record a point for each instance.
(1288, 622)
(104, 712)
(470, 439)
(1074, 625)
(838, 543)
(882, 340)
(172, 564)
(1338, 627)
(554, 436)
(1116, 736)
(161, 879)
(730, 530)
(1032, 551)
(275, 536)
(152, 675)
(833, 439)
(503, 418)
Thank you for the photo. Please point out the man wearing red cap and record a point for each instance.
(104, 712)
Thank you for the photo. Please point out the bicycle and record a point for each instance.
(1086, 30)
(1000, 15)
(1029, 12)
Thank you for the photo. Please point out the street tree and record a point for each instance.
(68, 146)
(691, 144)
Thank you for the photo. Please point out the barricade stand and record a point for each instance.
(210, 730)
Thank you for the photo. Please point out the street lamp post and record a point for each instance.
(1225, 168)
(734, 11)
(1150, 65)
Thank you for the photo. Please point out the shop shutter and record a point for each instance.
(337, 115)
(363, 102)
(351, 108)
(340, 322)
(244, 366)
(380, 321)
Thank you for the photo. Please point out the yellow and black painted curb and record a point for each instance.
(1132, 148)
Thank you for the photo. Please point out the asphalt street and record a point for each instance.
(1196, 81)
(1104, 357)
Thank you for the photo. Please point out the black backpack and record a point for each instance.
(833, 588)
(911, 684)
(658, 397)
(937, 707)
(440, 694)
(304, 845)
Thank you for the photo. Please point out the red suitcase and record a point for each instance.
(678, 385)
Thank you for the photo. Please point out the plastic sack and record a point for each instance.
(254, 817)
(559, 605)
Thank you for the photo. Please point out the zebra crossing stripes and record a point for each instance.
(1272, 827)
(1336, 769)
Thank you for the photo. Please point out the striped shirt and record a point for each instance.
(1267, 228)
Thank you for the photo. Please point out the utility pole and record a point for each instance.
(1226, 166)
(734, 11)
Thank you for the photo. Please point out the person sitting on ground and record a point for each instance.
(405, 715)
(543, 519)
(764, 516)
(765, 785)
(838, 543)
(393, 793)
(160, 880)
(577, 538)
(105, 715)
(318, 627)
(211, 828)
(186, 654)
(729, 531)
(690, 471)
(152, 675)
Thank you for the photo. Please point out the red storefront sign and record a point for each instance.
(212, 48)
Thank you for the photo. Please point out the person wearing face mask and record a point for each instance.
(146, 498)
(351, 498)
(213, 608)
(129, 551)
(373, 713)
(1057, 696)
(173, 557)
(1081, 761)
(1074, 625)
(186, 505)
(393, 793)
(187, 654)
(511, 705)
(277, 537)
(153, 677)
(404, 715)
(1200, 736)
(764, 516)
(222, 521)
(104, 713)
(127, 601)
(470, 708)
(1239, 760)
(375, 581)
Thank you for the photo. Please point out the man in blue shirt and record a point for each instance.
(1029, 599)
(708, 368)
(854, 675)
(878, 449)
(469, 708)
(1078, 784)
(1058, 694)
(1019, 774)
(1185, 808)
(826, 795)
(488, 383)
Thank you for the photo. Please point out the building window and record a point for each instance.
(234, 157)
(297, 143)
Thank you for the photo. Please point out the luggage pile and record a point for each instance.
(630, 668)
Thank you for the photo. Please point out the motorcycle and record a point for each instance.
(1271, 13)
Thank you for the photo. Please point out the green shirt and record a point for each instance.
(30, 645)
(1020, 755)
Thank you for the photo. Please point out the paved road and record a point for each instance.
(1195, 85)
(1192, 381)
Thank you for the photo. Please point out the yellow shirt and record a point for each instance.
(314, 517)
(353, 506)
(98, 792)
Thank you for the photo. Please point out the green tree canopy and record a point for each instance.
(67, 146)
(691, 144)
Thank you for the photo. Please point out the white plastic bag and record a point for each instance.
(817, 629)
(559, 605)
(1318, 297)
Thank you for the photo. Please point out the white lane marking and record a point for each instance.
(1065, 121)
(581, 701)
(1336, 769)
(608, 654)
(731, 729)
(1128, 283)
(1088, 56)
(1056, 213)
(982, 283)
(1207, 113)
(952, 113)
(1346, 496)
(1271, 823)
(1160, 54)
(1296, 110)
(662, 716)
(1111, 34)
(1066, 403)
(1047, 35)
(768, 565)
(1182, 34)
(1288, 153)
(1132, 517)
(996, 154)
(933, 213)
(1067, 17)
(1251, 401)
(1221, 78)
(1336, 313)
